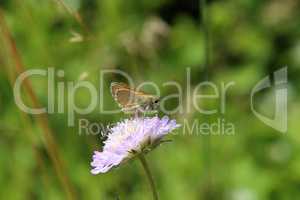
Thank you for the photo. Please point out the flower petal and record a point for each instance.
(128, 137)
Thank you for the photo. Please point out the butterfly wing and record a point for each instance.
(130, 99)
(124, 96)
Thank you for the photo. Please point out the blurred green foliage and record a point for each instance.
(155, 41)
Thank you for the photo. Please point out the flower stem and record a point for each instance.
(149, 176)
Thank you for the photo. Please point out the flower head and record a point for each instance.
(129, 138)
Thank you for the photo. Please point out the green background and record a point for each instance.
(152, 41)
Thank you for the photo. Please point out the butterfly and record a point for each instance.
(131, 100)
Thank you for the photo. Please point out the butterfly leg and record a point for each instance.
(136, 114)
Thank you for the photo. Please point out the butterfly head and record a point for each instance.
(156, 101)
(153, 103)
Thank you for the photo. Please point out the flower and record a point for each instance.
(129, 138)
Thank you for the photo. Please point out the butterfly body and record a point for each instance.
(131, 100)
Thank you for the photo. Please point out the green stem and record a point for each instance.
(149, 176)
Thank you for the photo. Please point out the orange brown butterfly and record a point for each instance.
(133, 101)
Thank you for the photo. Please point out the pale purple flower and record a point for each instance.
(130, 137)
